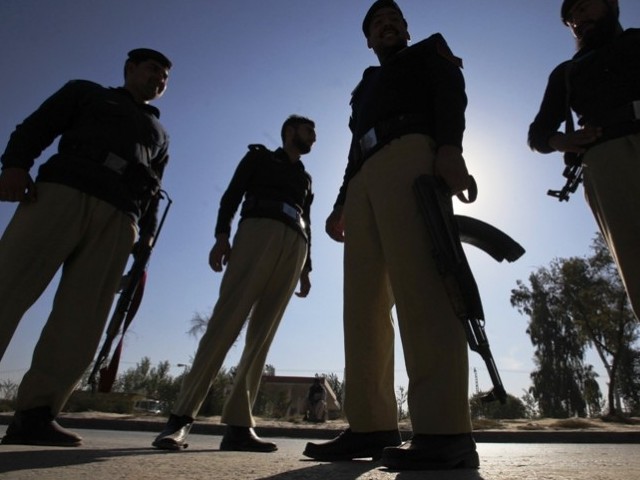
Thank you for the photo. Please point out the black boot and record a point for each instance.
(37, 426)
(174, 434)
(244, 439)
(433, 452)
(349, 445)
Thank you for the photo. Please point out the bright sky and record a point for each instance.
(240, 68)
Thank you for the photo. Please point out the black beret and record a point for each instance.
(379, 4)
(567, 5)
(142, 54)
(564, 10)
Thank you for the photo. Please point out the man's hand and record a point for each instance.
(16, 185)
(575, 142)
(220, 253)
(143, 245)
(451, 167)
(305, 284)
(334, 225)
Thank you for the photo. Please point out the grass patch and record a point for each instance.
(486, 424)
(572, 423)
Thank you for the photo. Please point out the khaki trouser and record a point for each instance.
(388, 261)
(612, 190)
(91, 240)
(262, 273)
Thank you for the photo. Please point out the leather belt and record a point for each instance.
(624, 114)
(386, 130)
(274, 207)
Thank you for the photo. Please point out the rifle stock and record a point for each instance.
(445, 229)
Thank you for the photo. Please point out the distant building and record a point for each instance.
(295, 390)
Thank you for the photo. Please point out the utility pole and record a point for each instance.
(475, 374)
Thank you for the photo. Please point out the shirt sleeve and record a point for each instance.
(42, 127)
(552, 112)
(232, 197)
(450, 99)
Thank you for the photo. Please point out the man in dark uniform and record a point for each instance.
(316, 409)
(270, 255)
(601, 84)
(82, 214)
(407, 120)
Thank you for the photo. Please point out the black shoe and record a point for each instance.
(433, 452)
(349, 445)
(37, 426)
(174, 433)
(244, 439)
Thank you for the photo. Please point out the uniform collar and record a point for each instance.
(282, 156)
(144, 106)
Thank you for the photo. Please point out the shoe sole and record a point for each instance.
(227, 448)
(165, 444)
(468, 461)
(374, 454)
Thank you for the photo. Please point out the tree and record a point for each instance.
(8, 390)
(513, 408)
(629, 380)
(610, 326)
(149, 381)
(559, 351)
(199, 323)
(336, 385)
(575, 304)
(401, 399)
(531, 409)
(214, 401)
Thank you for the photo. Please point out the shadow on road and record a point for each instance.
(355, 469)
(34, 459)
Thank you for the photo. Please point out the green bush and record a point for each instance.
(114, 402)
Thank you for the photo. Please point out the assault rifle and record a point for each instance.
(573, 173)
(447, 232)
(125, 309)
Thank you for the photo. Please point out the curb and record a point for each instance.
(481, 436)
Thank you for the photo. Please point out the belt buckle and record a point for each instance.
(293, 213)
(368, 140)
(636, 109)
(290, 211)
(115, 163)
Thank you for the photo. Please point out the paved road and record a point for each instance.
(115, 455)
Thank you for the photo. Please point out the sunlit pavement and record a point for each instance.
(108, 454)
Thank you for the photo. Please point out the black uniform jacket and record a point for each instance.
(423, 81)
(596, 82)
(104, 137)
(271, 178)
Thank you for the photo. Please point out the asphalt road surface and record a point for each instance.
(115, 455)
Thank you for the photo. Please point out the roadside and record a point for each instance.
(573, 430)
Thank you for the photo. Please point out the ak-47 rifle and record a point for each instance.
(573, 173)
(447, 232)
(125, 309)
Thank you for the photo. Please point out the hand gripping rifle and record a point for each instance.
(128, 302)
(447, 232)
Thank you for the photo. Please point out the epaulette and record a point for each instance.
(257, 147)
(438, 45)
